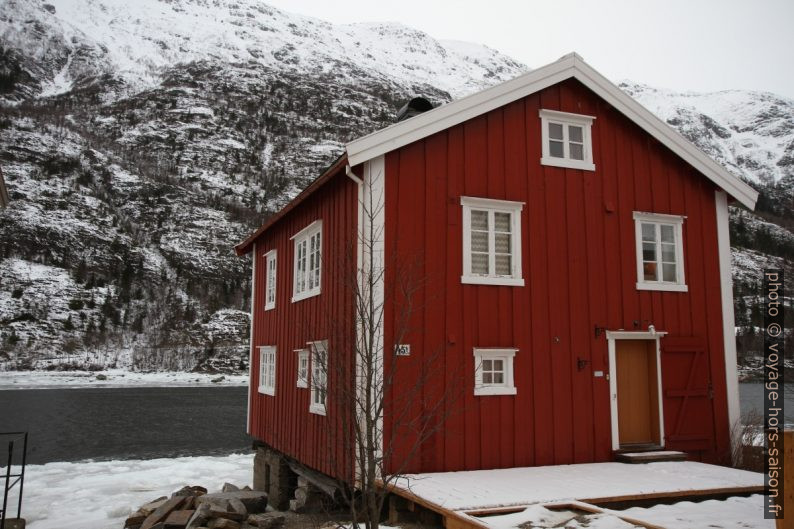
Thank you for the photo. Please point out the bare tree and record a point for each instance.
(362, 370)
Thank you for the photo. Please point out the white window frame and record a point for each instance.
(302, 380)
(492, 206)
(506, 355)
(319, 377)
(565, 119)
(271, 285)
(267, 370)
(658, 219)
(305, 236)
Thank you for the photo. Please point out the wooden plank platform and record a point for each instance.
(655, 456)
(465, 500)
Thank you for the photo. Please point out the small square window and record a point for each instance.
(267, 370)
(270, 280)
(493, 372)
(567, 140)
(660, 252)
(303, 368)
(491, 241)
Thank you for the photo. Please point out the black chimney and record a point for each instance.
(414, 107)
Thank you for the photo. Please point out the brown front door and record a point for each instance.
(638, 395)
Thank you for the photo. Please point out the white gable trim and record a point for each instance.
(571, 65)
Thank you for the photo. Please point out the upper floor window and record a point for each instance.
(267, 370)
(491, 241)
(319, 377)
(270, 280)
(308, 255)
(660, 252)
(567, 140)
(493, 372)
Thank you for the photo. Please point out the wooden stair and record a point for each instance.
(647, 454)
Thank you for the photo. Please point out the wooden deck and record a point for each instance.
(466, 500)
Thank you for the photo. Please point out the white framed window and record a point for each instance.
(491, 241)
(660, 251)
(567, 140)
(303, 368)
(270, 280)
(308, 258)
(493, 371)
(267, 370)
(319, 378)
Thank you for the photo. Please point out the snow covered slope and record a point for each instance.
(750, 133)
(138, 40)
(141, 139)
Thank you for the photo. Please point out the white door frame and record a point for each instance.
(612, 337)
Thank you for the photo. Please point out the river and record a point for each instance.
(146, 422)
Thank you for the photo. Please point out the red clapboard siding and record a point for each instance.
(283, 421)
(579, 265)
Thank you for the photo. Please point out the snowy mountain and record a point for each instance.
(141, 140)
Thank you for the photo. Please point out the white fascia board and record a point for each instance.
(571, 65)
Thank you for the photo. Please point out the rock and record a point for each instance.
(162, 512)
(227, 515)
(254, 501)
(200, 516)
(101, 377)
(149, 508)
(237, 506)
(192, 491)
(188, 504)
(178, 519)
(228, 487)
(223, 523)
(135, 519)
(246, 488)
(219, 379)
(269, 520)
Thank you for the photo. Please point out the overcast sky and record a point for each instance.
(700, 45)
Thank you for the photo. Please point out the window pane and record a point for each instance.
(555, 149)
(502, 243)
(504, 265)
(498, 365)
(487, 378)
(487, 365)
(555, 131)
(479, 241)
(668, 273)
(479, 220)
(575, 134)
(479, 263)
(498, 378)
(649, 271)
(502, 222)
(648, 251)
(648, 232)
(577, 151)
(668, 253)
(667, 233)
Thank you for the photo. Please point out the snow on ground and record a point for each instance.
(114, 378)
(483, 489)
(732, 513)
(100, 495)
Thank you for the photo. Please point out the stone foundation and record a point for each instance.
(273, 475)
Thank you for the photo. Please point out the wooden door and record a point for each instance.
(638, 397)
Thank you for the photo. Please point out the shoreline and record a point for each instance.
(115, 378)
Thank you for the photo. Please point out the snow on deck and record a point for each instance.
(486, 489)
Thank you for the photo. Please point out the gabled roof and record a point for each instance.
(3, 191)
(339, 165)
(569, 66)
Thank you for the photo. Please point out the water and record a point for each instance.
(126, 423)
(144, 423)
(751, 398)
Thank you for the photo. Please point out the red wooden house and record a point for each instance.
(575, 267)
